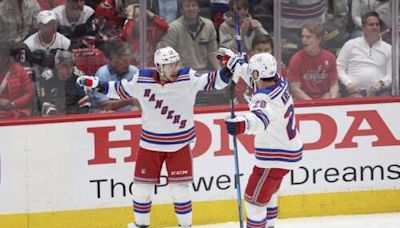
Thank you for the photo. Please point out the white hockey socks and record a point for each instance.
(142, 194)
(256, 216)
(272, 210)
(182, 204)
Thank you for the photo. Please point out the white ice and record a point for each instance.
(388, 220)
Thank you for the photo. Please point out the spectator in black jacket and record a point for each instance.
(61, 94)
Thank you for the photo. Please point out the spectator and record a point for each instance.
(17, 19)
(359, 8)
(166, 9)
(263, 11)
(41, 46)
(49, 4)
(109, 22)
(262, 43)
(194, 38)
(94, 3)
(118, 69)
(364, 63)
(218, 9)
(338, 12)
(385, 14)
(249, 27)
(156, 28)
(337, 25)
(16, 89)
(312, 70)
(61, 94)
(77, 22)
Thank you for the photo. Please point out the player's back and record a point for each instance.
(280, 142)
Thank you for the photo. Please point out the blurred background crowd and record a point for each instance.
(328, 48)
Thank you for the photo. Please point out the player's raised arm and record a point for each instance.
(219, 79)
(263, 69)
(113, 89)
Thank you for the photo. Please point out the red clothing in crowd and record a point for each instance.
(315, 73)
(48, 5)
(19, 90)
(154, 34)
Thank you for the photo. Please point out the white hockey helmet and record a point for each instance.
(264, 64)
(165, 55)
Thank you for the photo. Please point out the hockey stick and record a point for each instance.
(232, 110)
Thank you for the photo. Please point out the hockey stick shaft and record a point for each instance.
(232, 107)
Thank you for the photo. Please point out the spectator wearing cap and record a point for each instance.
(119, 68)
(77, 22)
(16, 89)
(41, 46)
(17, 19)
(61, 95)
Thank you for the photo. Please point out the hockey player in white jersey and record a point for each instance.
(167, 97)
(271, 119)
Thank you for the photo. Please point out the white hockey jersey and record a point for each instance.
(167, 109)
(59, 42)
(272, 120)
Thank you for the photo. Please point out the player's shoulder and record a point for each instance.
(183, 71)
(105, 69)
(147, 72)
(273, 91)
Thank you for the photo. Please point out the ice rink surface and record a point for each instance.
(389, 220)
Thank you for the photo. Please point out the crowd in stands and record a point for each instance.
(330, 49)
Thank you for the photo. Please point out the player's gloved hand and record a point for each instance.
(88, 81)
(241, 70)
(224, 54)
(235, 60)
(236, 125)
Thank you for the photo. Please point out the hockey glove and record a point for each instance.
(224, 54)
(88, 81)
(235, 60)
(236, 125)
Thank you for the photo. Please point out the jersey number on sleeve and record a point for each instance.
(290, 127)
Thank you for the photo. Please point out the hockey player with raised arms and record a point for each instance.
(278, 147)
(167, 97)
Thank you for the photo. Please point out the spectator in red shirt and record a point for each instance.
(16, 89)
(49, 4)
(312, 72)
(156, 28)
